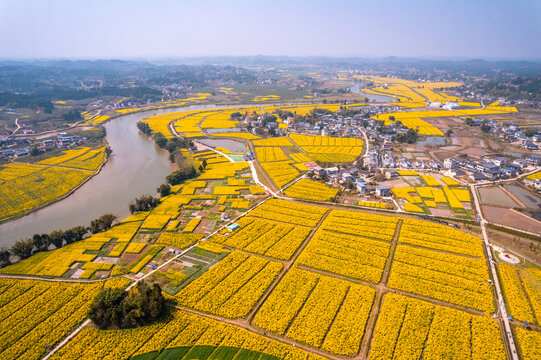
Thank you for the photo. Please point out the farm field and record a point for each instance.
(24, 187)
(286, 279)
(35, 315)
(311, 190)
(433, 195)
(308, 274)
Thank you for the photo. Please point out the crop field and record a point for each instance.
(421, 198)
(281, 172)
(181, 329)
(304, 305)
(408, 328)
(292, 278)
(329, 149)
(521, 287)
(240, 135)
(529, 343)
(265, 237)
(288, 212)
(322, 297)
(451, 278)
(232, 287)
(268, 154)
(311, 190)
(160, 123)
(24, 187)
(346, 244)
(276, 141)
(219, 120)
(35, 315)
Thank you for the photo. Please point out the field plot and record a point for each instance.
(329, 149)
(441, 275)
(270, 153)
(24, 187)
(413, 329)
(207, 337)
(232, 287)
(281, 172)
(522, 291)
(266, 237)
(35, 315)
(346, 244)
(529, 343)
(311, 190)
(318, 310)
(289, 212)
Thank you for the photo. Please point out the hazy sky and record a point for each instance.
(161, 28)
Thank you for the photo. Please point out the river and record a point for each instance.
(136, 167)
(356, 89)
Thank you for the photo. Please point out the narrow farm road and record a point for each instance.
(508, 340)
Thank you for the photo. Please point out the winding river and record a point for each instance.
(136, 167)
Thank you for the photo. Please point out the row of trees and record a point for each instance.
(23, 249)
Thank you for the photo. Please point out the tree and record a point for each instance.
(409, 137)
(485, 127)
(160, 140)
(116, 308)
(57, 238)
(41, 242)
(35, 151)
(5, 257)
(144, 203)
(204, 163)
(469, 121)
(106, 309)
(144, 128)
(164, 190)
(449, 132)
(102, 223)
(23, 248)
(179, 176)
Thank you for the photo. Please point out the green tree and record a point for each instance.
(23, 248)
(144, 203)
(164, 190)
(57, 238)
(144, 128)
(160, 140)
(179, 176)
(102, 223)
(116, 308)
(5, 257)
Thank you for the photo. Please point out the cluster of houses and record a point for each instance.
(512, 134)
(16, 147)
(491, 168)
(345, 176)
(385, 159)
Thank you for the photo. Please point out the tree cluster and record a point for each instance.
(144, 128)
(144, 203)
(179, 176)
(409, 137)
(117, 309)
